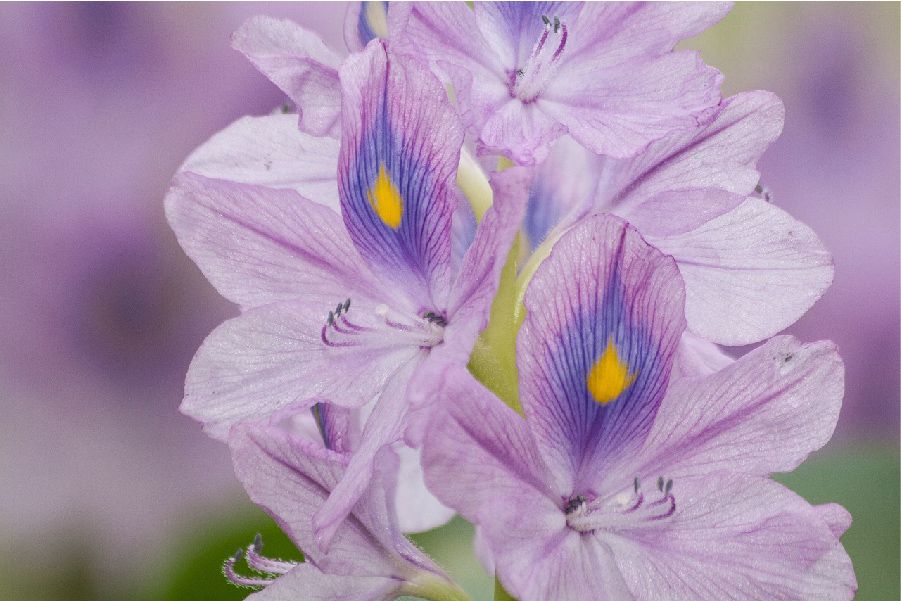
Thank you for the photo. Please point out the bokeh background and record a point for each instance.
(107, 492)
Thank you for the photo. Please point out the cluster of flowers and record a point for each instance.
(536, 348)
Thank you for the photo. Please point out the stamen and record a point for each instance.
(618, 513)
(530, 79)
(228, 569)
(423, 332)
(265, 565)
(762, 192)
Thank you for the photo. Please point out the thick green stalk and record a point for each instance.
(499, 593)
(433, 588)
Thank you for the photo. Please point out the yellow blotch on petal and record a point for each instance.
(385, 199)
(609, 377)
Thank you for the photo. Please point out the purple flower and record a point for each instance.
(300, 63)
(291, 475)
(524, 73)
(618, 484)
(345, 310)
(749, 268)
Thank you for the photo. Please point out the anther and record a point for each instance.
(574, 504)
(228, 569)
(660, 483)
(265, 565)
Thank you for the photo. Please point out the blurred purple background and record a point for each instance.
(100, 312)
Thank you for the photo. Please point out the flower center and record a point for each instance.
(384, 328)
(527, 82)
(628, 510)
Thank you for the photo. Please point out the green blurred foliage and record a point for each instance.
(196, 572)
(865, 480)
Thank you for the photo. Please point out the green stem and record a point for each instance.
(500, 594)
(433, 588)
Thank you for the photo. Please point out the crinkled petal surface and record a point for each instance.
(291, 478)
(763, 413)
(735, 537)
(614, 85)
(298, 62)
(479, 449)
(697, 357)
(749, 273)
(273, 357)
(270, 151)
(418, 509)
(667, 188)
(481, 459)
(479, 273)
(384, 426)
(617, 110)
(399, 152)
(604, 316)
(309, 583)
(260, 245)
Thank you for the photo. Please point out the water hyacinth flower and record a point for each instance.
(525, 73)
(750, 269)
(345, 307)
(290, 474)
(618, 483)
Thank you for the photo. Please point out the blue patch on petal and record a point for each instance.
(398, 155)
(604, 314)
(364, 27)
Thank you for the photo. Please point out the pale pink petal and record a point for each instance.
(478, 449)
(749, 273)
(260, 245)
(273, 357)
(298, 62)
(672, 185)
(270, 151)
(417, 509)
(763, 413)
(522, 131)
(290, 478)
(619, 109)
(835, 516)
(384, 427)
(735, 537)
(479, 273)
(628, 29)
(697, 357)
(571, 567)
(309, 583)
